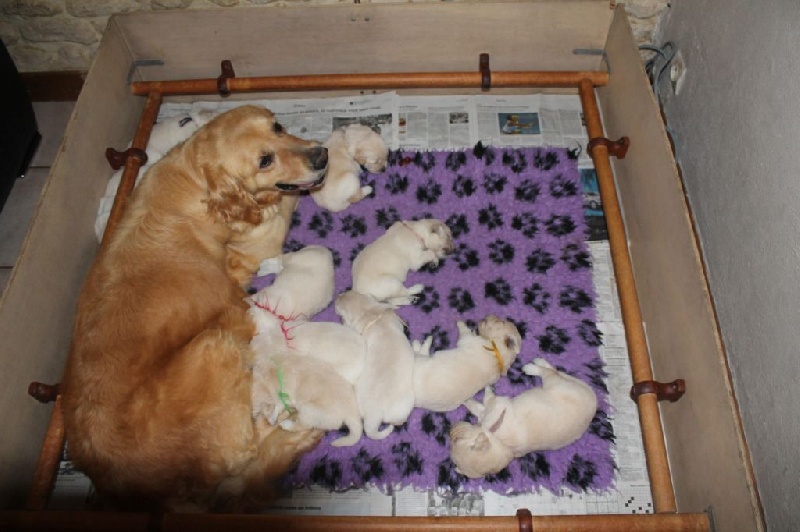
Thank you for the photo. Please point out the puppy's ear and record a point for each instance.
(481, 443)
(228, 200)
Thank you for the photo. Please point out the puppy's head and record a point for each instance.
(366, 147)
(476, 452)
(248, 161)
(505, 336)
(435, 235)
(358, 310)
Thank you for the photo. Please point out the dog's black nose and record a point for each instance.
(318, 157)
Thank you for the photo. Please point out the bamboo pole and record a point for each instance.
(139, 522)
(128, 180)
(396, 80)
(49, 456)
(54, 438)
(649, 415)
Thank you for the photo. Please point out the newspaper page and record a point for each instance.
(315, 118)
(435, 123)
(532, 120)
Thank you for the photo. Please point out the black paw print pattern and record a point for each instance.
(458, 225)
(464, 186)
(429, 192)
(428, 300)
(490, 217)
(501, 252)
(354, 226)
(494, 183)
(516, 216)
(560, 187)
(396, 183)
(466, 257)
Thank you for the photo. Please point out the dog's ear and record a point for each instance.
(481, 443)
(228, 200)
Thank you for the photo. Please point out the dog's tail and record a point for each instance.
(372, 426)
(356, 430)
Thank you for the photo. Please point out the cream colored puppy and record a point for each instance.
(543, 418)
(380, 270)
(350, 148)
(301, 393)
(384, 389)
(443, 382)
(338, 345)
(303, 285)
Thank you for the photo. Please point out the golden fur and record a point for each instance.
(156, 393)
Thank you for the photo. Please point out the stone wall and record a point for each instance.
(56, 35)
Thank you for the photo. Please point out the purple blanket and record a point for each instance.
(517, 221)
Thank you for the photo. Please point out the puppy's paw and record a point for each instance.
(542, 363)
(416, 289)
(270, 266)
(531, 369)
(424, 348)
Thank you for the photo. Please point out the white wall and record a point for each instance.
(736, 128)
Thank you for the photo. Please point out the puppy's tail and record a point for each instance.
(356, 430)
(372, 426)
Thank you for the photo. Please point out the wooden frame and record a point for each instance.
(657, 462)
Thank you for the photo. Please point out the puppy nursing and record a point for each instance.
(543, 418)
(350, 148)
(385, 388)
(298, 378)
(300, 393)
(442, 382)
(380, 270)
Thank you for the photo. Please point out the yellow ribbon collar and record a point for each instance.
(496, 352)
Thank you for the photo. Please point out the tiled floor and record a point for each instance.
(52, 118)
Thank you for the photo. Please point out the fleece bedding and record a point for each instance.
(516, 215)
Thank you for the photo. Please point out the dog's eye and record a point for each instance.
(265, 161)
(510, 343)
(277, 128)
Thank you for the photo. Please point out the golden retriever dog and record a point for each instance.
(157, 389)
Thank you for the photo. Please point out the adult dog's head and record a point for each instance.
(249, 161)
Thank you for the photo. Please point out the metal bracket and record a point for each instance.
(669, 391)
(617, 148)
(142, 62)
(222, 80)
(486, 73)
(117, 159)
(594, 51)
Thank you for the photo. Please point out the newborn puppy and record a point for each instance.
(380, 270)
(301, 393)
(543, 418)
(303, 285)
(350, 148)
(443, 382)
(338, 345)
(384, 389)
